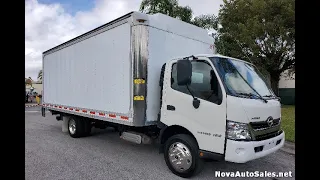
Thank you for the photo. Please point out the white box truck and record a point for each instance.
(157, 79)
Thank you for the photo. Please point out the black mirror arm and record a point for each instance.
(191, 92)
(196, 101)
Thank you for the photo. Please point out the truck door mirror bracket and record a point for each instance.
(196, 103)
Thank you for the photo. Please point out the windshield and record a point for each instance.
(241, 77)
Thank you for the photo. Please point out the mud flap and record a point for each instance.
(43, 112)
(65, 124)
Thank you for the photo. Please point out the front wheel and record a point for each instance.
(181, 155)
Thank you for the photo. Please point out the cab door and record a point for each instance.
(207, 122)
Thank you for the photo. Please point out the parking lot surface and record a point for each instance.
(51, 154)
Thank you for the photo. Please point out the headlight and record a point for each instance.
(238, 131)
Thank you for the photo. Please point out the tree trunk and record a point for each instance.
(275, 84)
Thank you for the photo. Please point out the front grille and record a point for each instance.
(264, 124)
(268, 136)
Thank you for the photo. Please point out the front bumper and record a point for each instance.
(241, 151)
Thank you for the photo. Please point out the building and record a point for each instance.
(287, 89)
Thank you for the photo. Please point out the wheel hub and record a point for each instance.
(180, 157)
(72, 126)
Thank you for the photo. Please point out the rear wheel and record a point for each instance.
(181, 155)
(75, 127)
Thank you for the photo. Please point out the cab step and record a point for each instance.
(135, 137)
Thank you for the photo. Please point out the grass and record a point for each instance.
(288, 122)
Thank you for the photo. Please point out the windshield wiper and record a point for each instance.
(272, 96)
(251, 95)
(246, 94)
(268, 96)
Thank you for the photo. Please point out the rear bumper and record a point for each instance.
(241, 152)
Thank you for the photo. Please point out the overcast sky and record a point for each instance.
(51, 22)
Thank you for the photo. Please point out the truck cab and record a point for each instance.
(223, 105)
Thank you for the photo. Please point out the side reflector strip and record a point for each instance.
(93, 112)
(124, 117)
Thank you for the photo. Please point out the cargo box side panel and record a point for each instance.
(164, 46)
(94, 73)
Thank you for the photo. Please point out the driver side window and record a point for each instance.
(204, 83)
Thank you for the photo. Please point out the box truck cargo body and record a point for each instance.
(96, 71)
(153, 77)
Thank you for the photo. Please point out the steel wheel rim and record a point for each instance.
(180, 157)
(72, 126)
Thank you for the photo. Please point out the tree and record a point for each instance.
(207, 21)
(28, 81)
(40, 75)
(260, 31)
(159, 6)
(172, 8)
(183, 13)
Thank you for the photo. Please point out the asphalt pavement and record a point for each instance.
(52, 155)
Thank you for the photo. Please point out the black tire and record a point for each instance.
(79, 127)
(192, 145)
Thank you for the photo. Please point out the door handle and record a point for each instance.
(171, 108)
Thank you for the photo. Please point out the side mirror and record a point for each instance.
(184, 72)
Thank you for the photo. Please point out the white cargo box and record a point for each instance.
(93, 74)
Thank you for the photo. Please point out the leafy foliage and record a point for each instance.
(28, 81)
(206, 21)
(260, 30)
(167, 7)
(172, 8)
